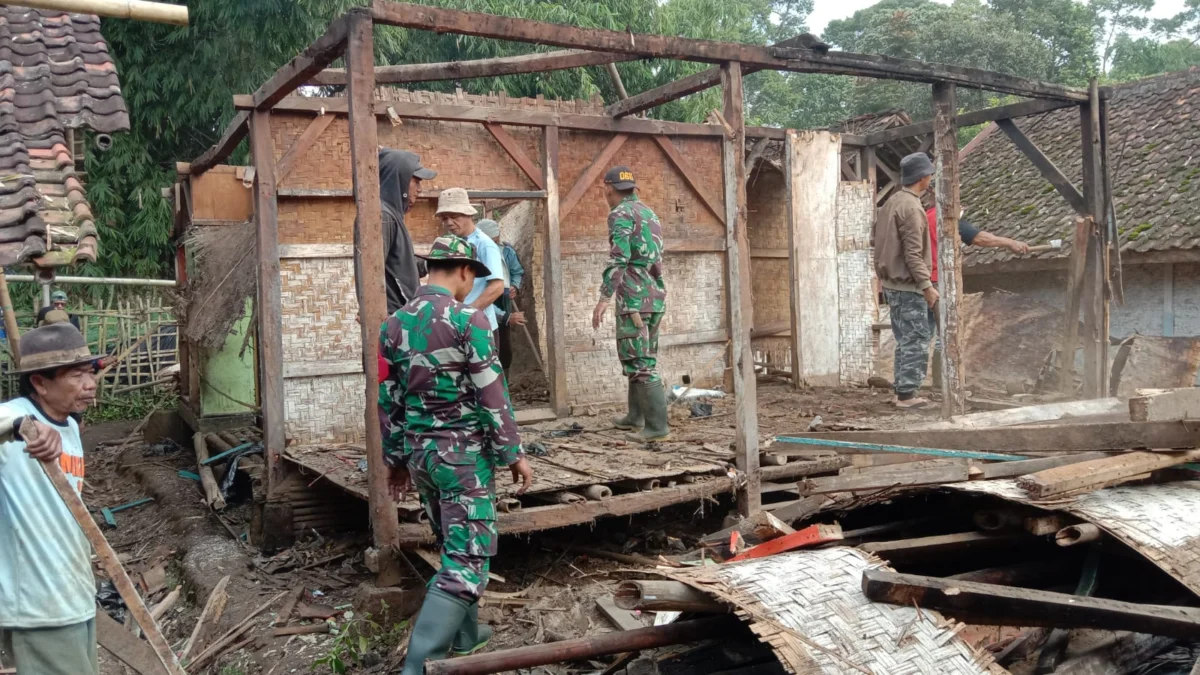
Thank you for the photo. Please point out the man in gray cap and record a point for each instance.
(400, 176)
(904, 263)
(514, 275)
(47, 606)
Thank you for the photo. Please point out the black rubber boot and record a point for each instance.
(633, 420)
(472, 636)
(652, 397)
(437, 625)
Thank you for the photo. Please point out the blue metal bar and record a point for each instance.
(902, 449)
(227, 453)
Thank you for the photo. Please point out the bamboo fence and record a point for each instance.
(136, 335)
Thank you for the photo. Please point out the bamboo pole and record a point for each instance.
(10, 321)
(138, 10)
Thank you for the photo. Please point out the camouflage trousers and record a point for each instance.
(912, 327)
(637, 345)
(461, 503)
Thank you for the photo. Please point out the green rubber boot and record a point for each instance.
(652, 399)
(472, 635)
(633, 420)
(437, 625)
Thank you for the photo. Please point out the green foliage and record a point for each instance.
(132, 406)
(1142, 57)
(357, 639)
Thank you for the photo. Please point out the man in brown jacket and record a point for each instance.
(904, 263)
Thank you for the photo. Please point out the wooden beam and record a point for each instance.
(995, 605)
(510, 116)
(694, 245)
(270, 308)
(906, 475)
(705, 79)
(1045, 412)
(921, 548)
(1095, 301)
(311, 133)
(517, 154)
(324, 51)
(594, 170)
(689, 177)
(1053, 438)
(1100, 472)
(234, 133)
(1026, 466)
(949, 252)
(1046, 167)
(368, 269)
(556, 322)
(615, 76)
(969, 119)
(464, 70)
(659, 46)
(1075, 278)
(123, 644)
(741, 309)
(1165, 405)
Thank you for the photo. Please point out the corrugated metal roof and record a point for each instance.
(55, 74)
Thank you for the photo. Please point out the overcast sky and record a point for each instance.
(829, 10)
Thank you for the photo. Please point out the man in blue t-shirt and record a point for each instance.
(455, 211)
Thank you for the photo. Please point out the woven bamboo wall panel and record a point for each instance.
(324, 409)
(319, 310)
(771, 291)
(858, 306)
(316, 221)
(219, 194)
(796, 600)
(660, 185)
(770, 278)
(595, 377)
(323, 165)
(695, 297)
(767, 217)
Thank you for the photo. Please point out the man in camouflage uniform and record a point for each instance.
(635, 276)
(447, 424)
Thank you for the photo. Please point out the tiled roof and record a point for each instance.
(1154, 166)
(55, 74)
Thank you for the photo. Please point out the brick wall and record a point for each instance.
(857, 306)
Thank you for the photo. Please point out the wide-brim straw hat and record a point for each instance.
(54, 346)
(455, 200)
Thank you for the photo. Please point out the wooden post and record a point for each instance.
(741, 310)
(368, 275)
(945, 134)
(1095, 323)
(270, 311)
(10, 321)
(556, 326)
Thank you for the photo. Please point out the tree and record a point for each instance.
(1185, 24)
(1068, 30)
(1143, 57)
(1119, 17)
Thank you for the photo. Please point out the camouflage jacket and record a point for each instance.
(635, 270)
(441, 386)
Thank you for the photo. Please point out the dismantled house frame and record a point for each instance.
(715, 169)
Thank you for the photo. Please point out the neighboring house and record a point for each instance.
(56, 79)
(1154, 166)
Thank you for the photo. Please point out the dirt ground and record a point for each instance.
(548, 590)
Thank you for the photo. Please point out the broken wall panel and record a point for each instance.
(858, 307)
(767, 231)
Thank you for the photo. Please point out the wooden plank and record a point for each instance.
(1047, 412)
(540, 62)
(311, 133)
(814, 163)
(949, 284)
(995, 605)
(689, 177)
(809, 536)
(316, 251)
(270, 308)
(1044, 165)
(1095, 325)
(941, 545)
(1165, 405)
(322, 52)
(623, 619)
(517, 154)
(969, 119)
(210, 618)
(478, 114)
(535, 415)
(703, 337)
(594, 170)
(237, 130)
(128, 649)
(1075, 279)
(798, 509)
(368, 266)
(691, 245)
(1022, 467)
(556, 321)
(294, 369)
(659, 46)
(1101, 472)
(1057, 438)
(881, 479)
(738, 286)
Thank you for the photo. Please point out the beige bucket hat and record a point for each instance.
(455, 200)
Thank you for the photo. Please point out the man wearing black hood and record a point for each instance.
(400, 176)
